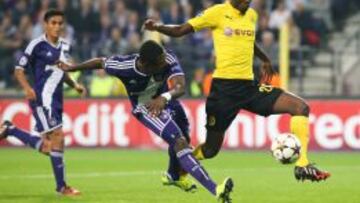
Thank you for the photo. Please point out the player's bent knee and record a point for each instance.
(306, 110)
(213, 143)
(45, 147)
(57, 145)
(303, 109)
(180, 144)
(210, 152)
(57, 140)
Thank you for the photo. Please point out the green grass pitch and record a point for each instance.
(127, 176)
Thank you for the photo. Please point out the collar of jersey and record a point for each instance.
(52, 45)
(232, 9)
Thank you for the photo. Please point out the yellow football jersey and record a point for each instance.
(234, 38)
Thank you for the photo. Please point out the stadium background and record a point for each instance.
(314, 44)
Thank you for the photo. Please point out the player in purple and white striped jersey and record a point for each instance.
(46, 95)
(154, 80)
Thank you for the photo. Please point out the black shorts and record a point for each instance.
(227, 97)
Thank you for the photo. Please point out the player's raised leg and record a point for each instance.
(299, 125)
(166, 128)
(218, 119)
(35, 142)
(52, 144)
(4, 129)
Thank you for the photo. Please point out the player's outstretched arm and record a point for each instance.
(267, 71)
(170, 30)
(260, 53)
(92, 64)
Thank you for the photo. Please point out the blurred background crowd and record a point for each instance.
(107, 27)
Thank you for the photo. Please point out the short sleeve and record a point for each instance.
(207, 19)
(175, 67)
(116, 67)
(23, 61)
(26, 57)
(110, 66)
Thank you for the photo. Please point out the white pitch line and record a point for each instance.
(84, 175)
(153, 173)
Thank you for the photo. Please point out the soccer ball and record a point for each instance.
(285, 148)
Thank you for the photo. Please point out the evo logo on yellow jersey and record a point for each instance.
(228, 31)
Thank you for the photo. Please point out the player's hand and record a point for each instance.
(30, 94)
(63, 66)
(266, 72)
(80, 89)
(150, 25)
(156, 106)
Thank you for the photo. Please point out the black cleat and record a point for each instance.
(223, 191)
(310, 172)
(3, 129)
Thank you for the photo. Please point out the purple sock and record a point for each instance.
(28, 139)
(174, 165)
(58, 168)
(192, 166)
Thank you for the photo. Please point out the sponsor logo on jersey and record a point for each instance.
(228, 31)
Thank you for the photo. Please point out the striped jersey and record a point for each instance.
(39, 57)
(142, 88)
(234, 38)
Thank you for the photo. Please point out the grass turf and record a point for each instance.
(126, 176)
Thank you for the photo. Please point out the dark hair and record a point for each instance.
(51, 13)
(150, 52)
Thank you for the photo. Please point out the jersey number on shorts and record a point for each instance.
(265, 88)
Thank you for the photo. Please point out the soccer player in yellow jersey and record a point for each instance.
(233, 88)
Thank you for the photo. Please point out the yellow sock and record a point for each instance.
(198, 154)
(299, 126)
